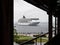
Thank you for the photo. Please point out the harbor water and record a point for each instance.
(42, 27)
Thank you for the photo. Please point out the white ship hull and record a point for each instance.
(29, 24)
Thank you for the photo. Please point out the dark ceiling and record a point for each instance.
(46, 5)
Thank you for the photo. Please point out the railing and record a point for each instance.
(35, 39)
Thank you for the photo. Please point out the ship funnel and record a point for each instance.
(24, 17)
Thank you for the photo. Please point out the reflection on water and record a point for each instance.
(39, 43)
(31, 44)
(15, 43)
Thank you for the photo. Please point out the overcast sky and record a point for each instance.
(23, 8)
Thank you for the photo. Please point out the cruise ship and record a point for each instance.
(28, 21)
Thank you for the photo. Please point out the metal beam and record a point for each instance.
(58, 31)
(55, 25)
(50, 26)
